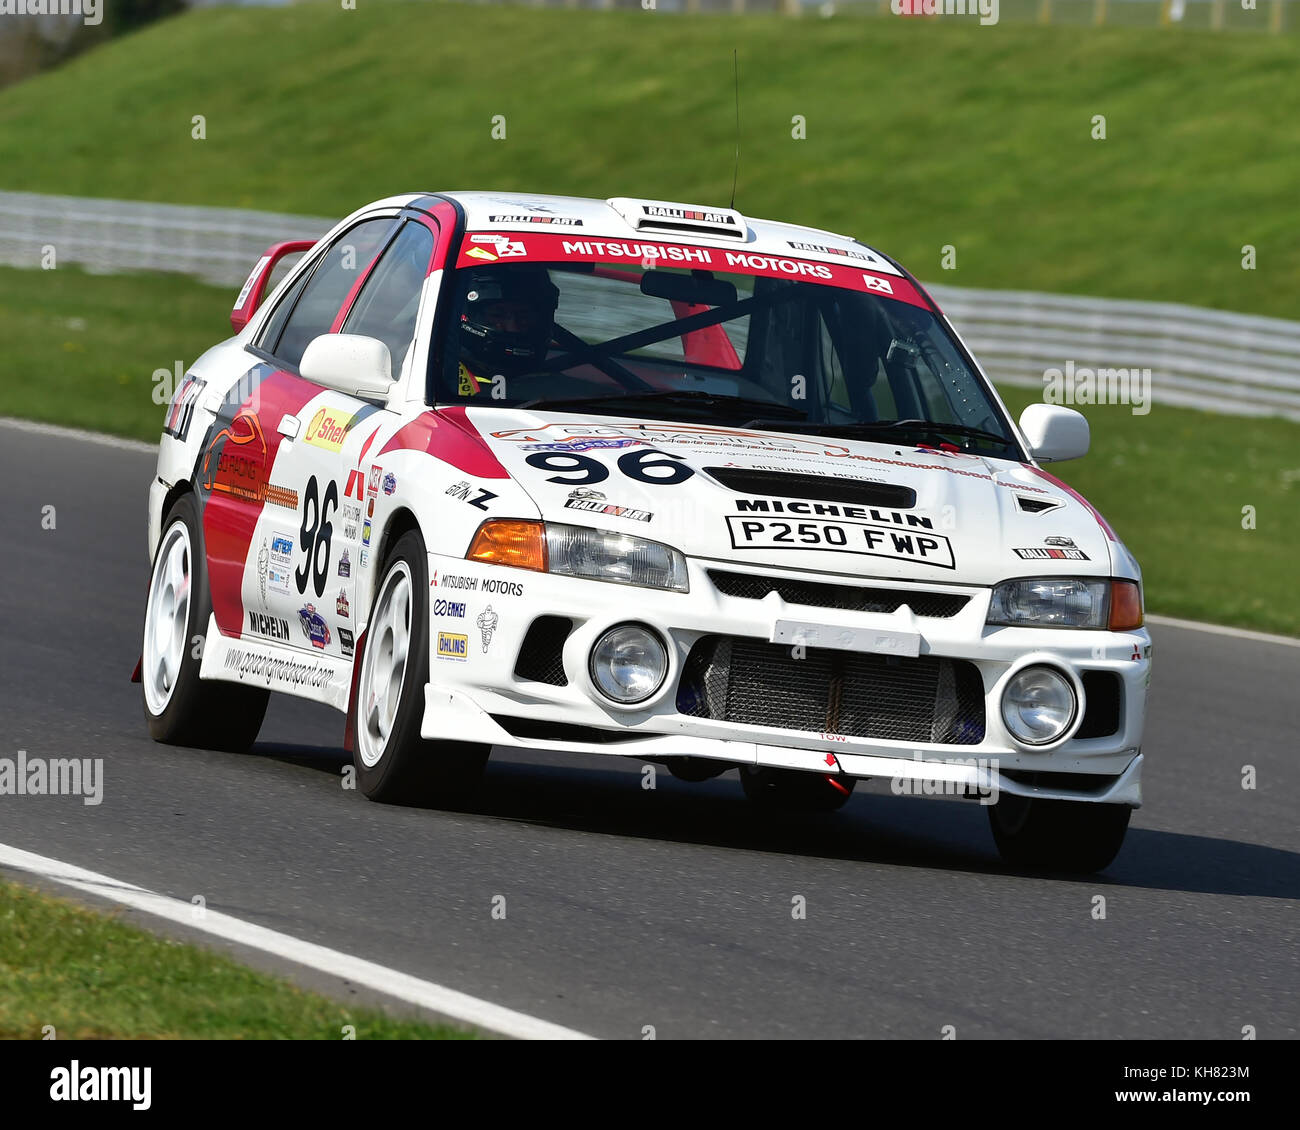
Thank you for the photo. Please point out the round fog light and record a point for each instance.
(629, 663)
(1038, 705)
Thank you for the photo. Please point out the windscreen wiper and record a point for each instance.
(675, 398)
(923, 427)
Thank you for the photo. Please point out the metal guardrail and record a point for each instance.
(1215, 360)
(217, 245)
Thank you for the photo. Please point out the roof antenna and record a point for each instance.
(735, 59)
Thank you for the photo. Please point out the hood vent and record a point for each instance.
(1031, 505)
(821, 488)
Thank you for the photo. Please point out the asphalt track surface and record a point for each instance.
(671, 908)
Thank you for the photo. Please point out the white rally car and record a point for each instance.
(649, 480)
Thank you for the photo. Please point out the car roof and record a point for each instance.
(636, 218)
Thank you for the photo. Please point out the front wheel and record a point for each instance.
(394, 764)
(1058, 835)
(181, 708)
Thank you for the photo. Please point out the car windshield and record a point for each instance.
(784, 354)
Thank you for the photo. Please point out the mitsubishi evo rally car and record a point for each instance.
(640, 479)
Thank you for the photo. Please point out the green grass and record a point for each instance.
(81, 350)
(91, 977)
(1173, 483)
(919, 133)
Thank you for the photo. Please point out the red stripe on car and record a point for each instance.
(448, 435)
(229, 519)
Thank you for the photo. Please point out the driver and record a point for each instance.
(506, 324)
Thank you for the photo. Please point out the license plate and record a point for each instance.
(880, 641)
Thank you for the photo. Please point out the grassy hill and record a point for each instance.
(920, 134)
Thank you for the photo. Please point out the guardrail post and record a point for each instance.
(1045, 12)
(1099, 14)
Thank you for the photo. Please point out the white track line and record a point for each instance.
(88, 437)
(1223, 630)
(459, 1006)
(140, 445)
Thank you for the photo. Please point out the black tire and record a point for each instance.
(203, 714)
(696, 769)
(408, 769)
(1058, 835)
(793, 790)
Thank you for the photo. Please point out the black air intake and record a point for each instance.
(821, 488)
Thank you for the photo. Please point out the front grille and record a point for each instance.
(541, 657)
(1101, 690)
(752, 586)
(927, 699)
(821, 488)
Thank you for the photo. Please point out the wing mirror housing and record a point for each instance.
(349, 363)
(1055, 434)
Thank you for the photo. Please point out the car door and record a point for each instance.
(326, 454)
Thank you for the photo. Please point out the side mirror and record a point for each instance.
(251, 294)
(1055, 433)
(350, 363)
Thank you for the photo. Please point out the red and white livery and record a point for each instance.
(640, 479)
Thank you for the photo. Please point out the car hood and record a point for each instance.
(768, 498)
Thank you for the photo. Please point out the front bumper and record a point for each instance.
(476, 694)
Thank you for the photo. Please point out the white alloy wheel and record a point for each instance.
(387, 650)
(167, 618)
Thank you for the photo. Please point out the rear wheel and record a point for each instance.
(793, 790)
(181, 708)
(1058, 835)
(394, 764)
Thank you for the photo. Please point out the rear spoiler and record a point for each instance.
(251, 295)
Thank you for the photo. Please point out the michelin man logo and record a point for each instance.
(487, 624)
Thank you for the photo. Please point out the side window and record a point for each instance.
(387, 304)
(319, 298)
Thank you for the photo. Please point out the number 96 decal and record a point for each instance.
(645, 465)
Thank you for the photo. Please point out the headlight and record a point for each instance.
(1050, 602)
(604, 555)
(628, 663)
(1038, 705)
(576, 551)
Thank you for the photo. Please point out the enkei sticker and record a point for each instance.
(841, 537)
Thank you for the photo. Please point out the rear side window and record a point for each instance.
(311, 306)
(387, 305)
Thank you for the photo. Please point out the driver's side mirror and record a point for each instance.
(1055, 433)
(351, 363)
